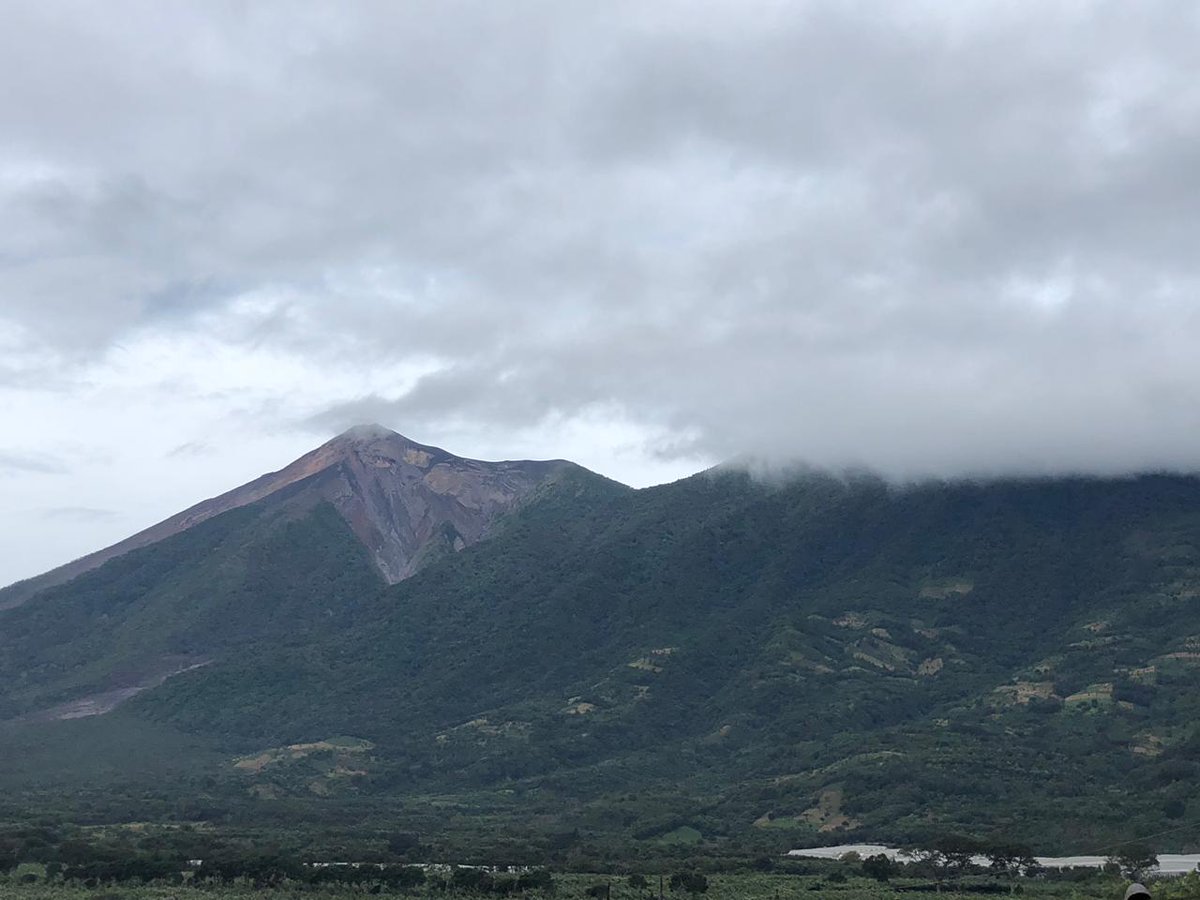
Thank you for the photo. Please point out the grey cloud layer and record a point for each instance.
(922, 240)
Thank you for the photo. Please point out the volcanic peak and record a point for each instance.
(407, 501)
(403, 501)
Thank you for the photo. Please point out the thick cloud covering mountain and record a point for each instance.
(927, 239)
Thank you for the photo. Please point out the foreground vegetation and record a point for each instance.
(833, 881)
(148, 862)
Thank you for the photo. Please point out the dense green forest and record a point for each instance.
(723, 665)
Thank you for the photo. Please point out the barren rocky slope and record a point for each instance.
(404, 501)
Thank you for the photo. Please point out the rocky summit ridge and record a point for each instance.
(404, 501)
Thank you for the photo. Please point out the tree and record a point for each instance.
(1134, 860)
(879, 867)
(692, 882)
(958, 852)
(470, 879)
(404, 876)
(536, 880)
(927, 862)
(1011, 859)
(948, 857)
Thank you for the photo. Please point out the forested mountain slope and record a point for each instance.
(743, 661)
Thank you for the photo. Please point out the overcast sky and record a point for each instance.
(930, 238)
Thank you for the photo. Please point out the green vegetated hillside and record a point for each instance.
(716, 662)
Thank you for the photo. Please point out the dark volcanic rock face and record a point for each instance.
(405, 501)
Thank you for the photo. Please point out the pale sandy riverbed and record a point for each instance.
(1168, 863)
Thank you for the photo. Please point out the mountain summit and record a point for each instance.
(404, 501)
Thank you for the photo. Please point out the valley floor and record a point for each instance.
(576, 887)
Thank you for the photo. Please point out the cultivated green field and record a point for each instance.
(576, 887)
